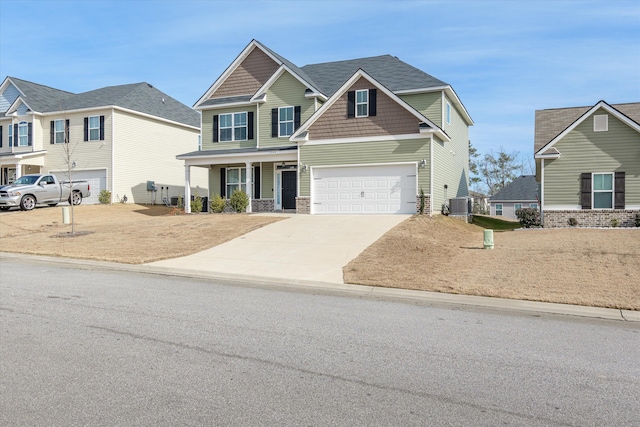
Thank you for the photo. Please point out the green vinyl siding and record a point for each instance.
(207, 129)
(429, 104)
(266, 185)
(582, 150)
(214, 180)
(287, 91)
(361, 153)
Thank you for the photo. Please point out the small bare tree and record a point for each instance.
(70, 163)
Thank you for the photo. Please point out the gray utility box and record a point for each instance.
(460, 206)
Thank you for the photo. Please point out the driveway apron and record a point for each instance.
(300, 247)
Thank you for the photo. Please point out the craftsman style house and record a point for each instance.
(588, 164)
(357, 136)
(120, 138)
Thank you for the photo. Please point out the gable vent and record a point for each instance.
(601, 123)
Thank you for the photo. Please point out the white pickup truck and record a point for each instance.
(29, 190)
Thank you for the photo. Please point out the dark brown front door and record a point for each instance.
(288, 189)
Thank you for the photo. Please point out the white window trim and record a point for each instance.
(447, 113)
(601, 123)
(501, 209)
(594, 191)
(25, 126)
(56, 131)
(242, 185)
(233, 126)
(10, 135)
(362, 103)
(292, 121)
(89, 128)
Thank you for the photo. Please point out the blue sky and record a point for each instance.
(505, 59)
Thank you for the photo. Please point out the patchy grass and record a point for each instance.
(496, 224)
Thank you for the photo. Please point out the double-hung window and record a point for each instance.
(499, 209)
(10, 135)
(362, 103)
(448, 113)
(94, 128)
(237, 180)
(285, 121)
(23, 134)
(58, 132)
(517, 206)
(602, 190)
(233, 127)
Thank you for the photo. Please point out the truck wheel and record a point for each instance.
(76, 198)
(28, 202)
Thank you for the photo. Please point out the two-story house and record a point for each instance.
(588, 164)
(366, 135)
(118, 138)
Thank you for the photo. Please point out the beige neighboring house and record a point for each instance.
(122, 138)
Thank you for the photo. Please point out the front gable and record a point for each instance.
(249, 76)
(390, 118)
(8, 94)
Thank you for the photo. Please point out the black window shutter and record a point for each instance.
(52, 125)
(86, 128)
(101, 128)
(15, 135)
(373, 94)
(29, 135)
(256, 182)
(66, 131)
(0, 136)
(296, 117)
(585, 190)
(215, 129)
(351, 103)
(619, 191)
(223, 182)
(250, 125)
(274, 122)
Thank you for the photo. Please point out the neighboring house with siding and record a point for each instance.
(522, 192)
(588, 164)
(356, 136)
(120, 137)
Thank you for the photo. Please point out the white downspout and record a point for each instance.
(187, 188)
(113, 156)
(431, 176)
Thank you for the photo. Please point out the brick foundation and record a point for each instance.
(427, 204)
(590, 218)
(262, 205)
(303, 205)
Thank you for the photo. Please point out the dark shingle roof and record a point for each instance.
(140, 97)
(550, 123)
(522, 188)
(238, 151)
(388, 70)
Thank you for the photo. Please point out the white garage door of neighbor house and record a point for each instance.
(97, 180)
(364, 190)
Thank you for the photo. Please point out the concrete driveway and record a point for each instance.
(300, 247)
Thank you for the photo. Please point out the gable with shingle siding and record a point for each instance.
(391, 119)
(249, 76)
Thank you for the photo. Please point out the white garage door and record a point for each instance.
(364, 190)
(97, 180)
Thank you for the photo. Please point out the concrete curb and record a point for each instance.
(403, 294)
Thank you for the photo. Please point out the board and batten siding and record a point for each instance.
(207, 129)
(89, 155)
(428, 104)
(286, 91)
(146, 150)
(363, 153)
(267, 184)
(583, 150)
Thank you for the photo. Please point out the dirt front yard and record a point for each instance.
(596, 267)
(127, 233)
(577, 266)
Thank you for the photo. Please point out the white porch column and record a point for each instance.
(249, 178)
(18, 170)
(187, 189)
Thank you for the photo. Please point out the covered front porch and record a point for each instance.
(15, 165)
(269, 177)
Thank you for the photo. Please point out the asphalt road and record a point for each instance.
(81, 347)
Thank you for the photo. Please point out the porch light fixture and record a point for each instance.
(423, 163)
(304, 168)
